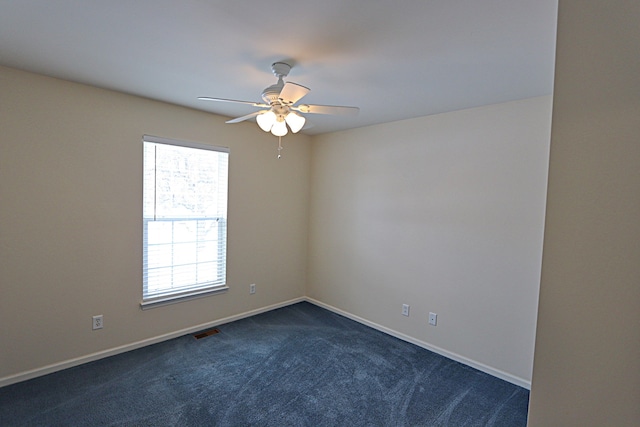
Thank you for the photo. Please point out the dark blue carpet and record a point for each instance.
(296, 366)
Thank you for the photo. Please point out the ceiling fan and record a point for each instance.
(279, 109)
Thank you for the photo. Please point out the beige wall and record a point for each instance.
(70, 220)
(444, 213)
(587, 354)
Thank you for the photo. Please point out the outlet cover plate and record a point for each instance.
(97, 322)
(433, 319)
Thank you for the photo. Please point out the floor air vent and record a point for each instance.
(204, 334)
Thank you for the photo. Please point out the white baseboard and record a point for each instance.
(453, 356)
(27, 375)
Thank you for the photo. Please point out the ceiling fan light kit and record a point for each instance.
(280, 111)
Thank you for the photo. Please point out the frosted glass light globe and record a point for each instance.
(279, 129)
(266, 120)
(295, 121)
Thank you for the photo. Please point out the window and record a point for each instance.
(184, 220)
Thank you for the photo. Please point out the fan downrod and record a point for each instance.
(271, 93)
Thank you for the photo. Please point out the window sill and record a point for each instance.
(173, 299)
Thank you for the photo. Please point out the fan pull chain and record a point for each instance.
(279, 147)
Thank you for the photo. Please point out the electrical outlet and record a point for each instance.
(405, 309)
(433, 319)
(97, 322)
(252, 288)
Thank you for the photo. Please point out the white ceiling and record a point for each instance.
(393, 59)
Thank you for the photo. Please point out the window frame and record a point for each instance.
(197, 291)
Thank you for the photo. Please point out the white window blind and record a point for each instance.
(184, 220)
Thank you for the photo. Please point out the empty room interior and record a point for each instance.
(482, 204)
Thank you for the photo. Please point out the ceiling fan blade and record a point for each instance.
(243, 118)
(327, 109)
(292, 93)
(255, 104)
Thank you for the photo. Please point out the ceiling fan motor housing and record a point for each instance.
(270, 94)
